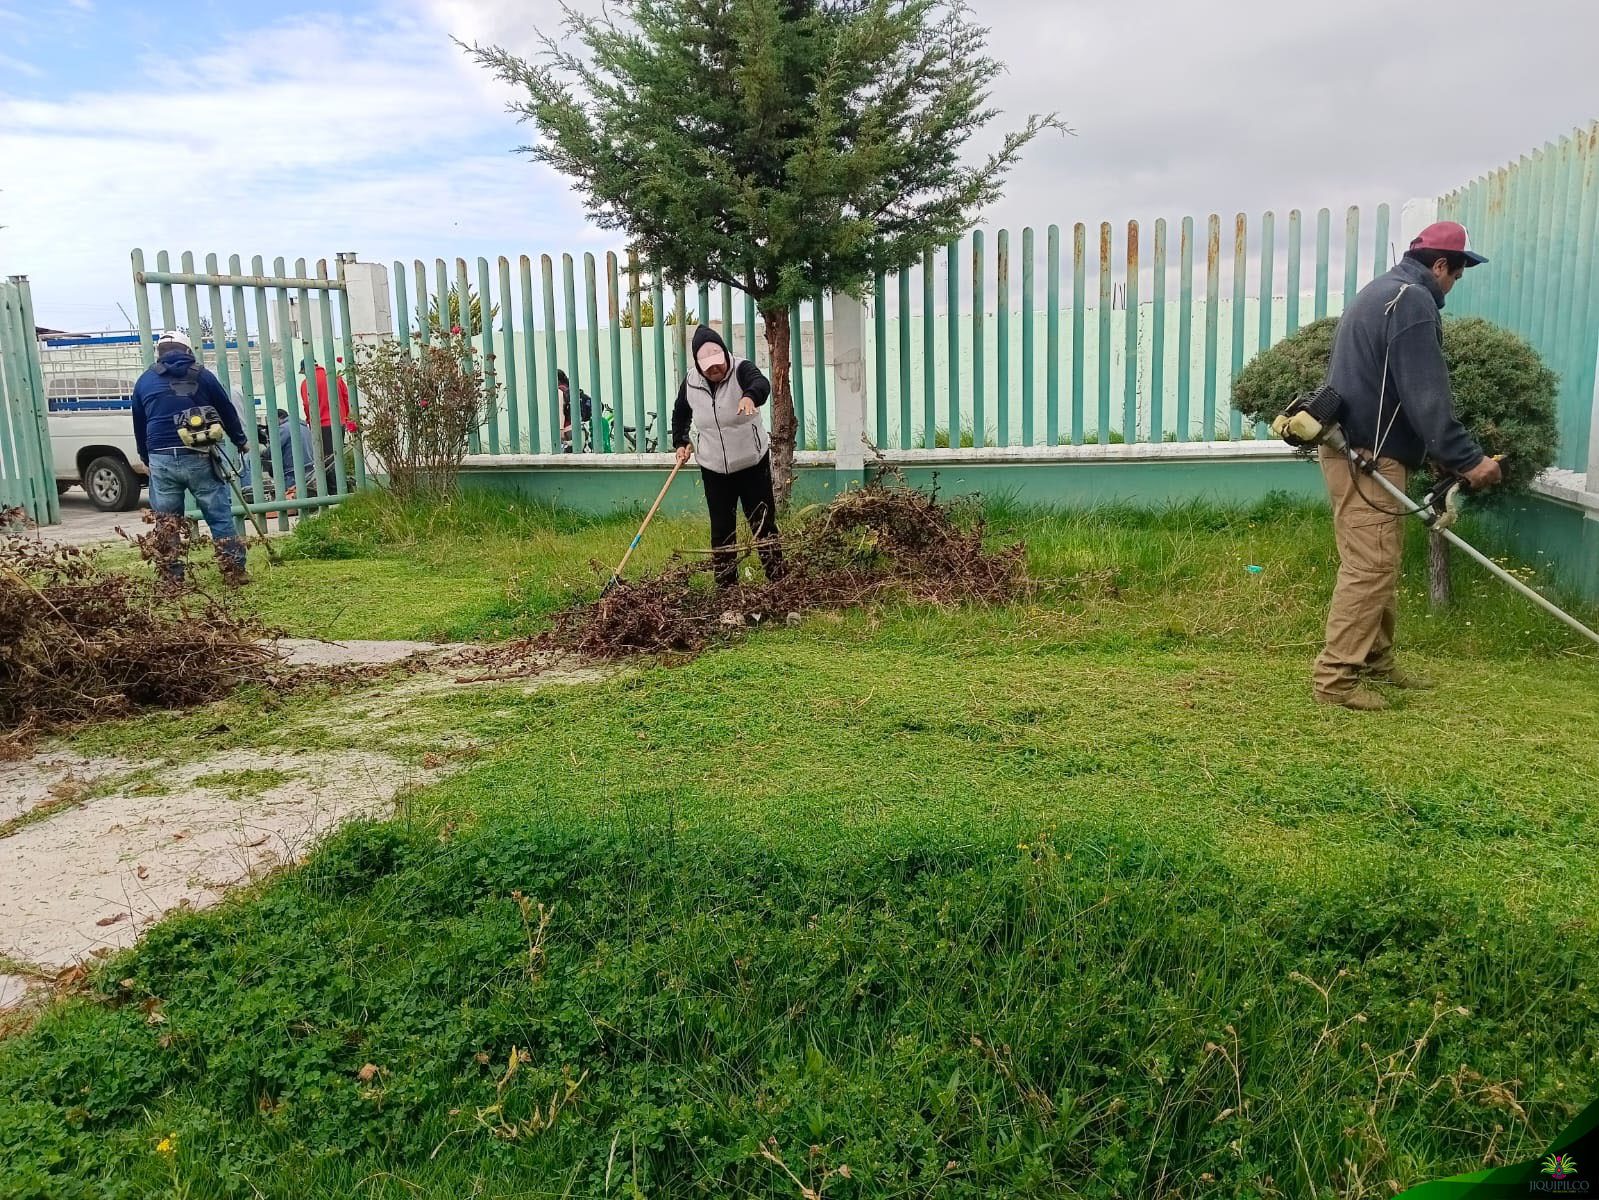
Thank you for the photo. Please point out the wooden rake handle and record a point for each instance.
(650, 516)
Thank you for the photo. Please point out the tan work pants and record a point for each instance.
(1365, 603)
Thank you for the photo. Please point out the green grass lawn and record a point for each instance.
(1080, 896)
(475, 568)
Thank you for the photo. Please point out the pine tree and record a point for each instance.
(783, 147)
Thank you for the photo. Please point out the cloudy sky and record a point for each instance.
(303, 129)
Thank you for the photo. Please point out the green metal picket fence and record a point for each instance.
(1035, 338)
(1537, 220)
(1030, 338)
(1135, 351)
(27, 475)
(988, 343)
(264, 324)
(536, 323)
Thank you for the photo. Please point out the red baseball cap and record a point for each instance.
(1449, 236)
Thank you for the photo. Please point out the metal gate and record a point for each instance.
(259, 332)
(27, 473)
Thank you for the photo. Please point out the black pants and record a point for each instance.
(330, 480)
(751, 488)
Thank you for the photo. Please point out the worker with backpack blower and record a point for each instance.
(167, 397)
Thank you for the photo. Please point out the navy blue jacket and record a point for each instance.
(157, 403)
(1396, 319)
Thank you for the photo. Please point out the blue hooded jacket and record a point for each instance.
(157, 403)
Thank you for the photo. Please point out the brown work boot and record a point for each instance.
(234, 575)
(1361, 699)
(1398, 677)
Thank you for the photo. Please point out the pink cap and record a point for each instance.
(1448, 236)
(710, 354)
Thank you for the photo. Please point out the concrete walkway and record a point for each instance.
(84, 525)
(95, 850)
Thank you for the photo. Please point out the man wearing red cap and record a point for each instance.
(1388, 369)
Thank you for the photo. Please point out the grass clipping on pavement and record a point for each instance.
(884, 539)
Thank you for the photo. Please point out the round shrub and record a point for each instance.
(1272, 379)
(1504, 394)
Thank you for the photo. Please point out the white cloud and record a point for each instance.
(20, 66)
(325, 132)
(1184, 107)
(309, 137)
(517, 27)
(1189, 108)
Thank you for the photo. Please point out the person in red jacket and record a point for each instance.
(325, 423)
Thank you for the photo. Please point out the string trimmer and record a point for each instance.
(201, 429)
(1311, 421)
(616, 575)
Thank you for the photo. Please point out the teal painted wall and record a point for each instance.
(1148, 485)
(1559, 540)
(1075, 484)
(610, 489)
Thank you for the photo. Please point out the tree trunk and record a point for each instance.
(784, 427)
(1440, 589)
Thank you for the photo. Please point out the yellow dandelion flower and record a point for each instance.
(167, 1145)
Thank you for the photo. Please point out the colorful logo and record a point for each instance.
(1560, 1166)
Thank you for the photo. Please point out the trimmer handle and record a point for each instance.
(1466, 487)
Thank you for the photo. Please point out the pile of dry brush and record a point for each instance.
(80, 641)
(883, 540)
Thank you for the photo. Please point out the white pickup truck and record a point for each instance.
(94, 447)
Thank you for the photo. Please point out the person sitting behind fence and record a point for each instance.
(722, 397)
(585, 403)
(288, 486)
(169, 388)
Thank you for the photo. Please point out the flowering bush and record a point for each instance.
(420, 404)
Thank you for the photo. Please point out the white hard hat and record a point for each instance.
(174, 337)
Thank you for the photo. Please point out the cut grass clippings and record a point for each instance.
(244, 783)
(70, 797)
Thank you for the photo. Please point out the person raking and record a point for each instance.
(721, 396)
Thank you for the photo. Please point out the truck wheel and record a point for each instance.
(113, 486)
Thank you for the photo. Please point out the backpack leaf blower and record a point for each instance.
(202, 429)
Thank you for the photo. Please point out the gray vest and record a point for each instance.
(726, 442)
